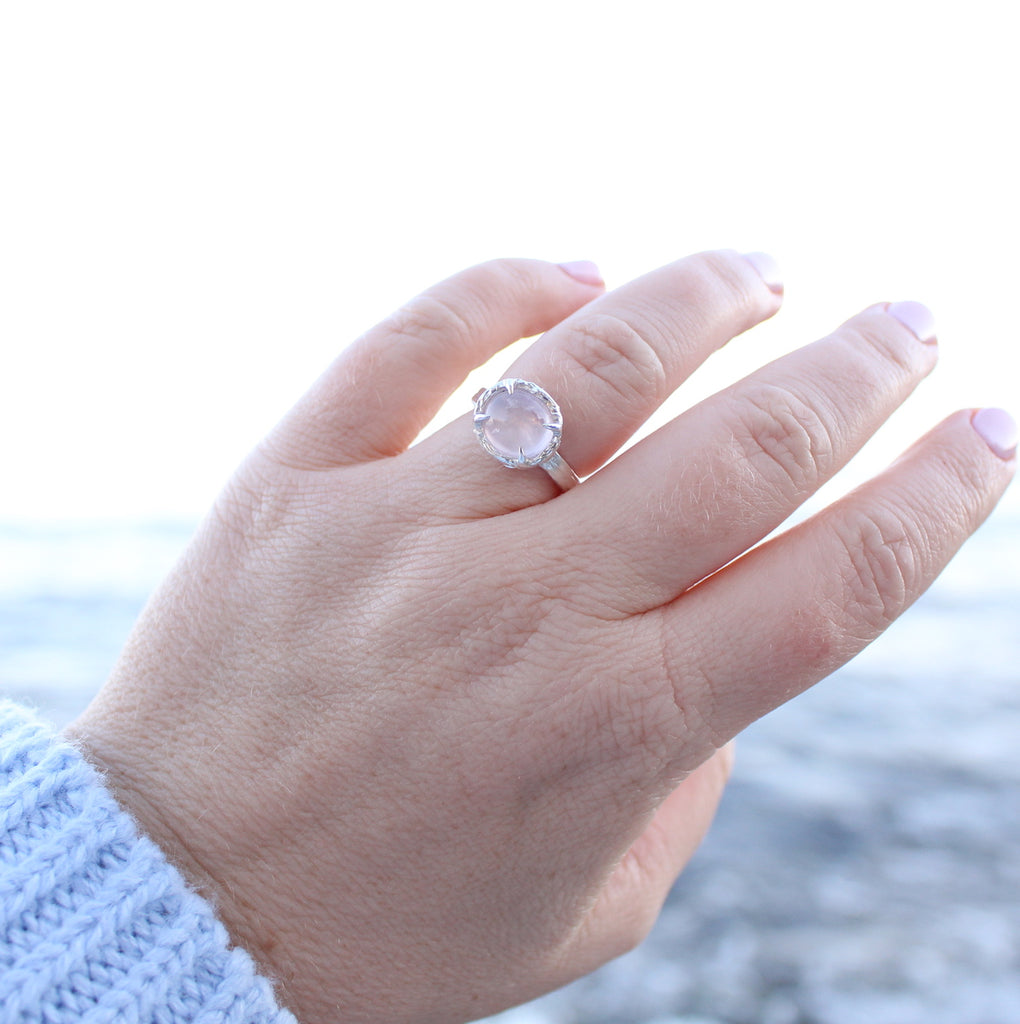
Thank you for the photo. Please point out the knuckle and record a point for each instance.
(519, 277)
(723, 269)
(880, 566)
(609, 349)
(726, 280)
(966, 479)
(457, 310)
(778, 430)
(430, 318)
(525, 287)
(884, 350)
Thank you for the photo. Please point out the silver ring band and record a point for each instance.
(558, 469)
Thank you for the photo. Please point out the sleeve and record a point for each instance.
(95, 924)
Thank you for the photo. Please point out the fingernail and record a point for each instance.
(998, 430)
(768, 270)
(582, 270)
(915, 317)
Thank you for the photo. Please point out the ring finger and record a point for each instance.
(609, 366)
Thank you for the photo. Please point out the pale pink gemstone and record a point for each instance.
(517, 424)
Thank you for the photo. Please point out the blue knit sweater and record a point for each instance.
(95, 924)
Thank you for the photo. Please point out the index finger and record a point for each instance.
(793, 610)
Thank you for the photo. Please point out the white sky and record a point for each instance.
(200, 203)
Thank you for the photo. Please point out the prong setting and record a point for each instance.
(518, 423)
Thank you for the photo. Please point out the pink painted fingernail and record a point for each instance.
(768, 270)
(915, 317)
(582, 270)
(998, 430)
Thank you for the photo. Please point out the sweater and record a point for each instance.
(95, 924)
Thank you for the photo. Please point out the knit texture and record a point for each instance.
(95, 924)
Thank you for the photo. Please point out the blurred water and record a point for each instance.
(69, 595)
(865, 864)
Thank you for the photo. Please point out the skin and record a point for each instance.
(437, 738)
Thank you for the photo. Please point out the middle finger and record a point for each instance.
(712, 483)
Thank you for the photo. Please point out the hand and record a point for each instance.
(437, 737)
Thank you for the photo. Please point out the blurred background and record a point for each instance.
(202, 203)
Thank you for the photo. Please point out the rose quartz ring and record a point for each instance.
(519, 424)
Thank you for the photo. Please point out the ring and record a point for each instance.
(519, 424)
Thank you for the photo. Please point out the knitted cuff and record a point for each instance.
(95, 924)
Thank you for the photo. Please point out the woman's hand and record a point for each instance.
(437, 737)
